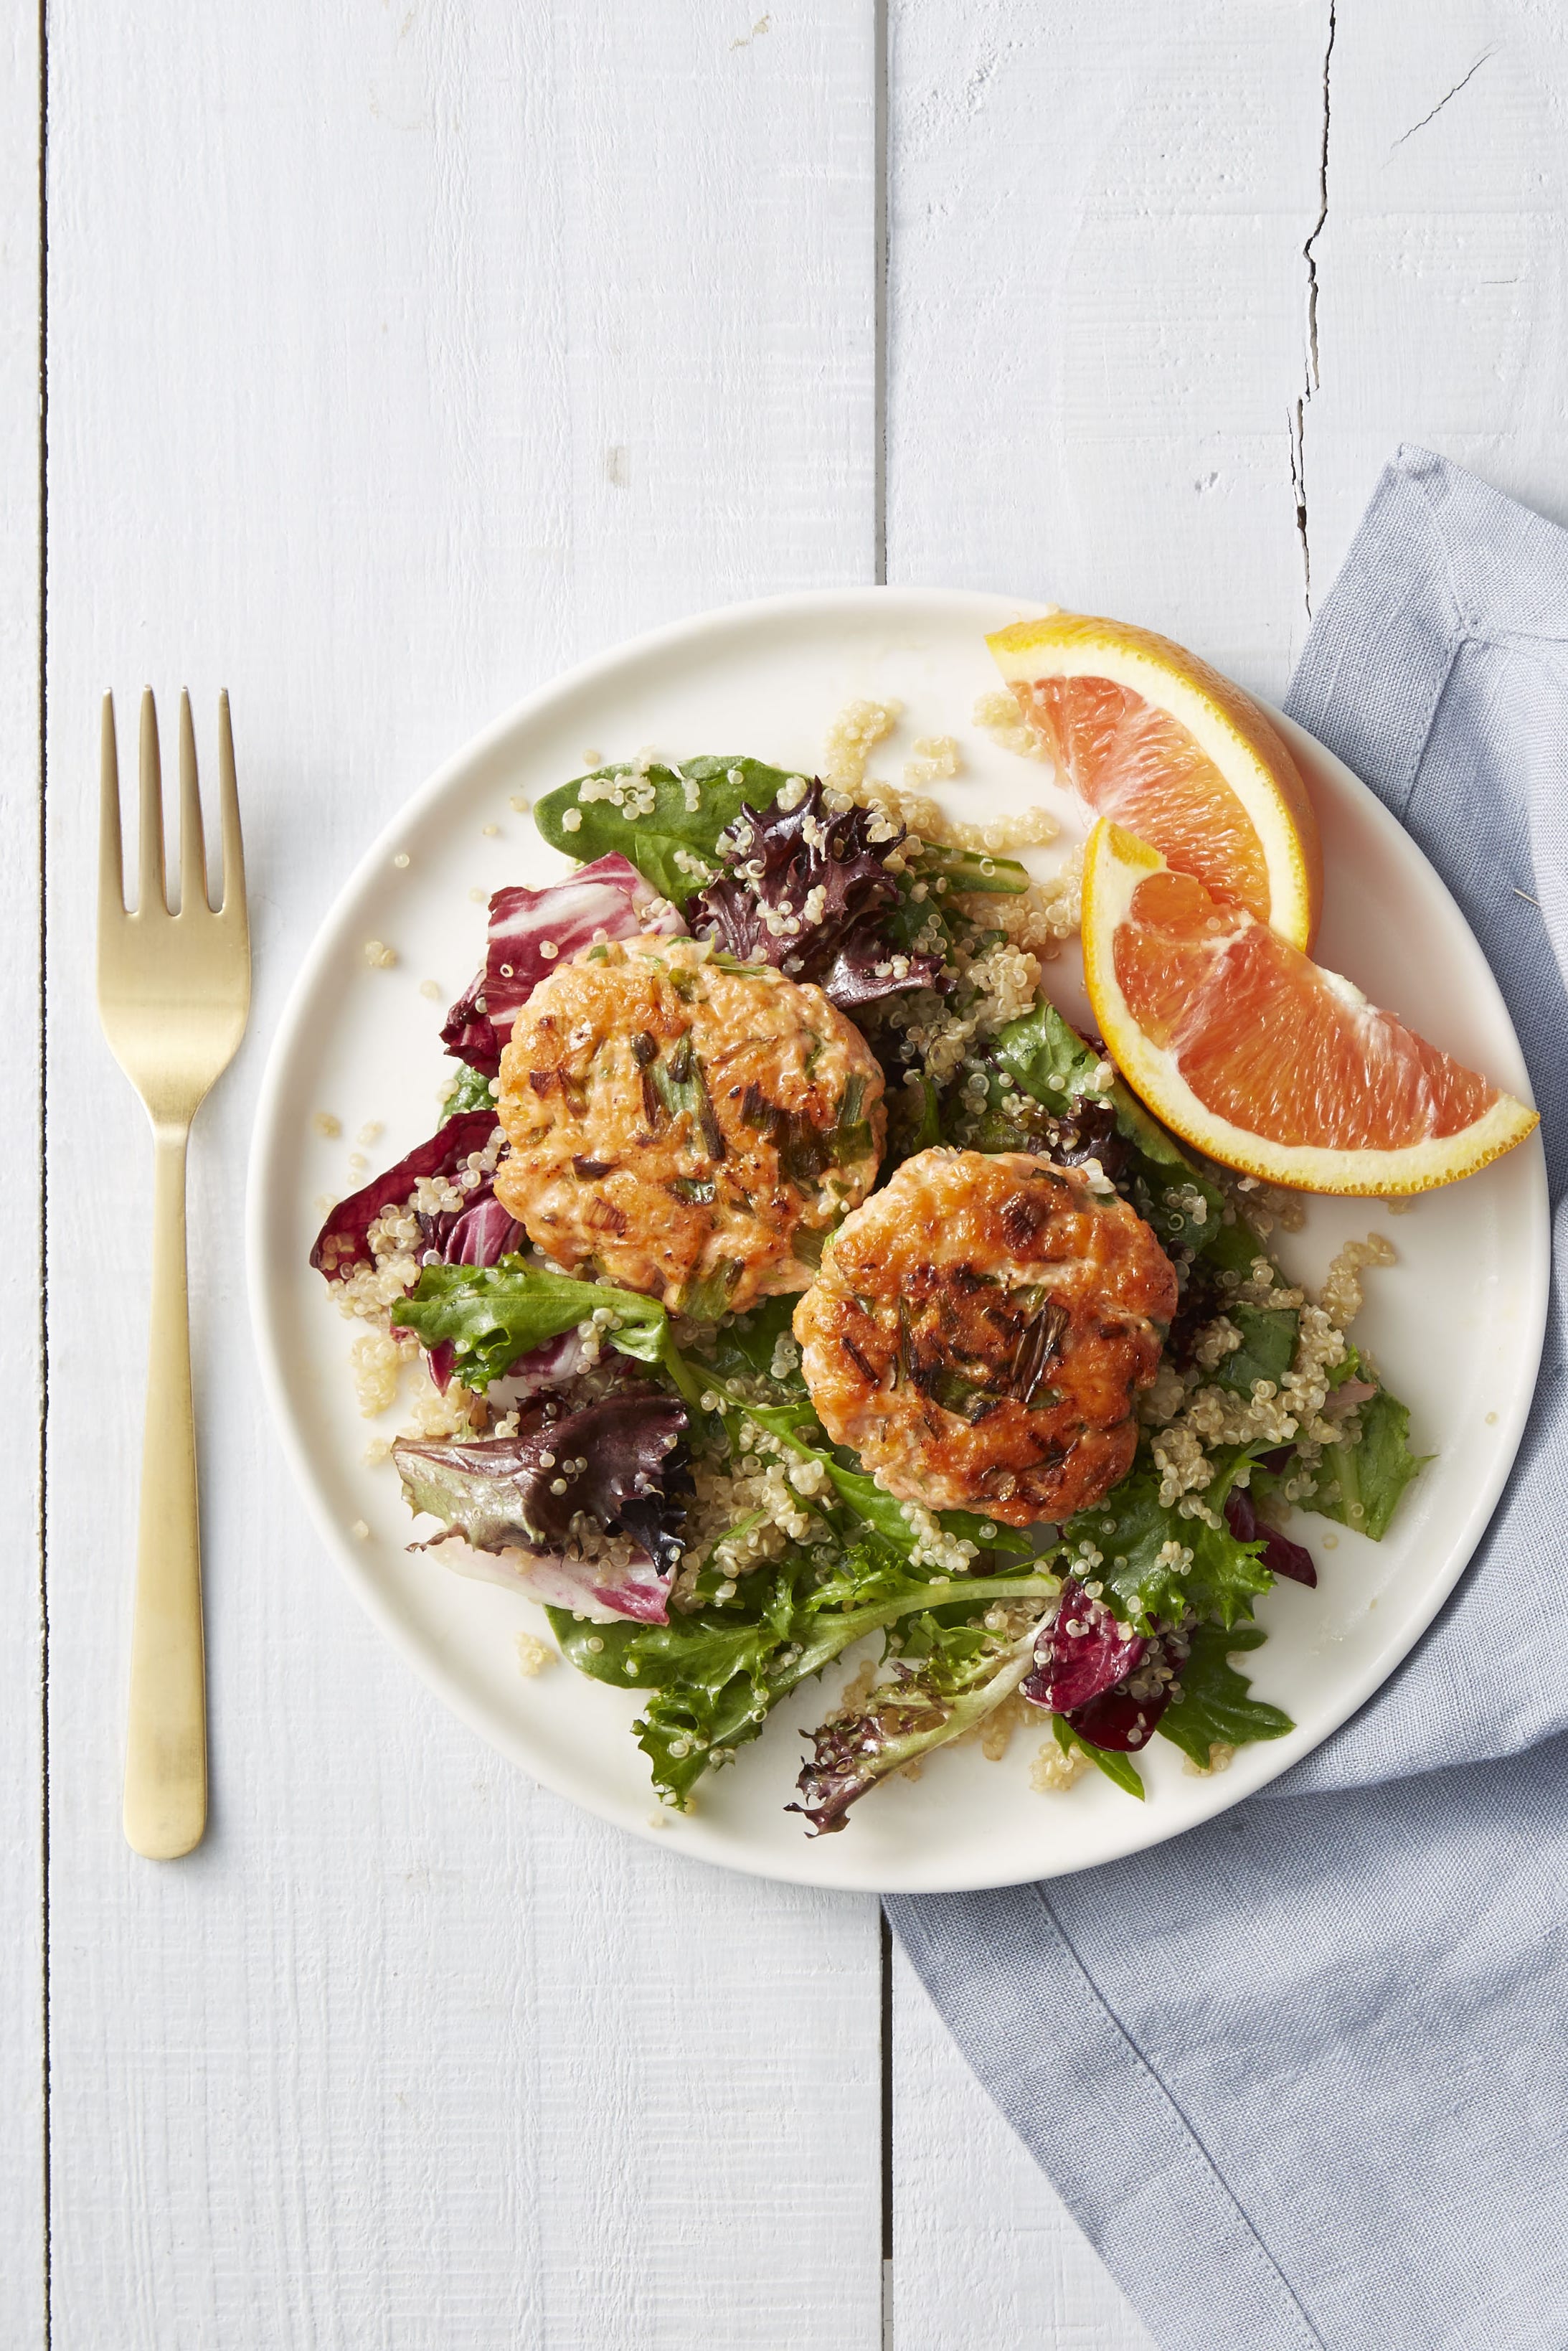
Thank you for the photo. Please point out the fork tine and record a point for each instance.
(233, 903)
(192, 840)
(110, 866)
(152, 896)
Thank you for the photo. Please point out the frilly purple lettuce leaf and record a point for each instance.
(965, 1677)
(1081, 1653)
(608, 899)
(343, 1241)
(776, 858)
(619, 1460)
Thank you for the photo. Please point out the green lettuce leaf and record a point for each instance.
(1132, 1529)
(746, 1344)
(493, 1314)
(974, 871)
(1042, 1056)
(1217, 1702)
(1361, 1479)
(796, 1425)
(712, 1678)
(949, 1677)
(656, 842)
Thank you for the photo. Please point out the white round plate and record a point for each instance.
(1456, 1326)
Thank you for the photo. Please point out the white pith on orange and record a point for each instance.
(1148, 734)
(1263, 1060)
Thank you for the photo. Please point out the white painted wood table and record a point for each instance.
(394, 356)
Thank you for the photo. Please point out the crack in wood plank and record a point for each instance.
(1314, 375)
(1462, 82)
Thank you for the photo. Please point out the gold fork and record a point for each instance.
(174, 991)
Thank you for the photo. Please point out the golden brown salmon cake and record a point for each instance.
(979, 1330)
(687, 1126)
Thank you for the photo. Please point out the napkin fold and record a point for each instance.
(1301, 2075)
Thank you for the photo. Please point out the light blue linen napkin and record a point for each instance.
(1303, 2074)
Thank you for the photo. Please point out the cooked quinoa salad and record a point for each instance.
(787, 1271)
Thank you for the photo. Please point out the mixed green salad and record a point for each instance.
(663, 1481)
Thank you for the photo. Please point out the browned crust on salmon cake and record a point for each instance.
(687, 1127)
(979, 1332)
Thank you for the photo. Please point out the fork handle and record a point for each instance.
(166, 1737)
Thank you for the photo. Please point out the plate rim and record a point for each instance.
(265, 1176)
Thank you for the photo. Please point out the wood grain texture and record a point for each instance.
(21, 1595)
(985, 2252)
(1167, 289)
(399, 356)
(1443, 261)
(1097, 308)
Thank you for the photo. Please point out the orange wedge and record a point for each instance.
(1149, 735)
(1262, 1060)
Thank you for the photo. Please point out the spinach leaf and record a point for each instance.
(1044, 1055)
(671, 844)
(470, 1090)
(1267, 1351)
(1217, 1702)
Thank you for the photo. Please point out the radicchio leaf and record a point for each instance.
(497, 1493)
(776, 858)
(1119, 1721)
(343, 1241)
(549, 1366)
(595, 1590)
(1080, 1654)
(1350, 1394)
(609, 899)
(1281, 1555)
